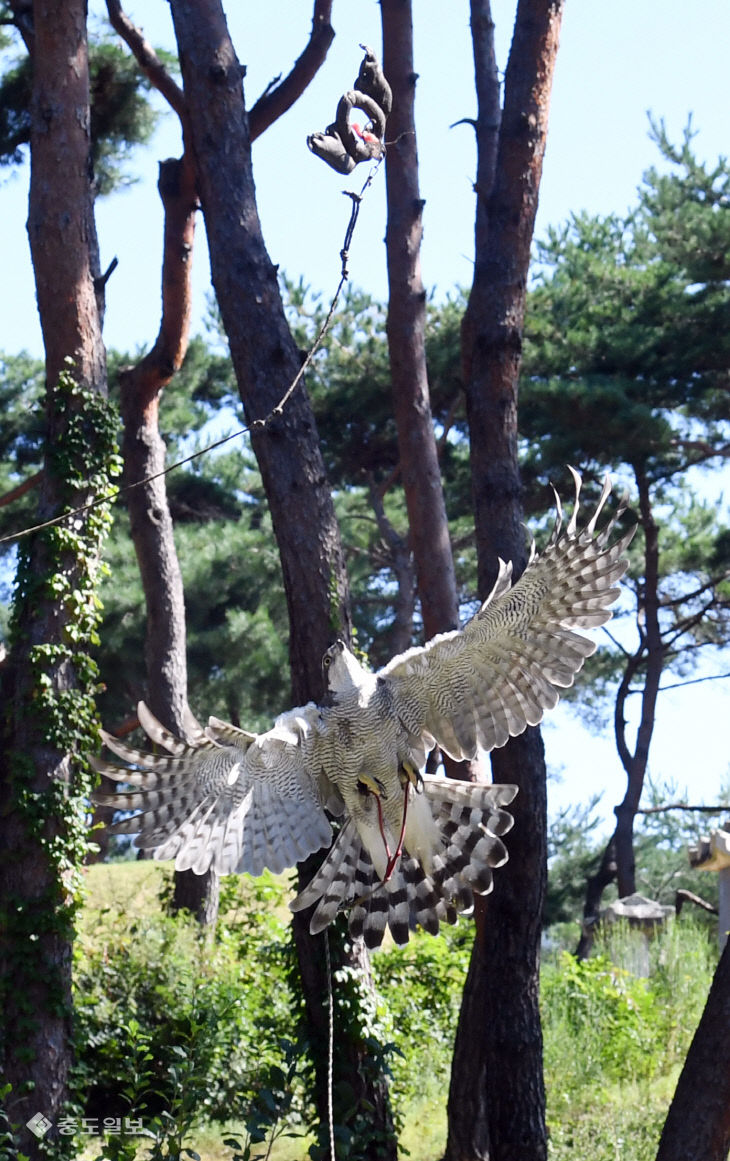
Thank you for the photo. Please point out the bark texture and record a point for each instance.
(35, 932)
(697, 1127)
(144, 455)
(151, 524)
(406, 330)
(496, 1098)
(428, 534)
(264, 354)
(496, 1105)
(618, 862)
(266, 359)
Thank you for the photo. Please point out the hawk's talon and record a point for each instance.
(367, 782)
(412, 775)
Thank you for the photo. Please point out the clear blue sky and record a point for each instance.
(616, 62)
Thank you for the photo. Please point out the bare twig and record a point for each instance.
(695, 681)
(16, 493)
(673, 602)
(278, 97)
(720, 808)
(683, 896)
(148, 60)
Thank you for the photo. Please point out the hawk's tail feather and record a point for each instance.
(483, 796)
(410, 899)
(470, 818)
(331, 885)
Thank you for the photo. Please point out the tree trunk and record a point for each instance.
(266, 360)
(264, 355)
(496, 1103)
(651, 650)
(144, 456)
(398, 557)
(697, 1127)
(406, 329)
(150, 521)
(48, 679)
(618, 863)
(496, 1098)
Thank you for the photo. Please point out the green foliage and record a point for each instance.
(662, 842)
(48, 780)
(573, 855)
(9, 1140)
(175, 1027)
(360, 1049)
(614, 1043)
(179, 1031)
(626, 348)
(662, 866)
(22, 385)
(121, 115)
(625, 370)
(608, 1012)
(62, 710)
(420, 986)
(349, 384)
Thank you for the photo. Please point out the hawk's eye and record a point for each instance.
(326, 660)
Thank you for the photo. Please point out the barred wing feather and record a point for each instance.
(475, 688)
(223, 798)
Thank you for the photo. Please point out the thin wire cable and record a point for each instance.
(257, 424)
(331, 1045)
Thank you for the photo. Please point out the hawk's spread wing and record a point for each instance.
(224, 798)
(476, 687)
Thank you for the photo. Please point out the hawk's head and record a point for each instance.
(343, 673)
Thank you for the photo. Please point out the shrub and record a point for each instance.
(420, 986)
(176, 1026)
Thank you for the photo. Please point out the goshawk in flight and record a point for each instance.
(411, 848)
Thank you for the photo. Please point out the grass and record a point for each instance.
(622, 1122)
(129, 888)
(615, 1043)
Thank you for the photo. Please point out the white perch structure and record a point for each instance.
(644, 916)
(712, 853)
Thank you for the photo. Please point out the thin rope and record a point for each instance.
(331, 1045)
(256, 424)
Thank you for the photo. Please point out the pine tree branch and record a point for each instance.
(674, 602)
(21, 489)
(685, 625)
(683, 896)
(695, 681)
